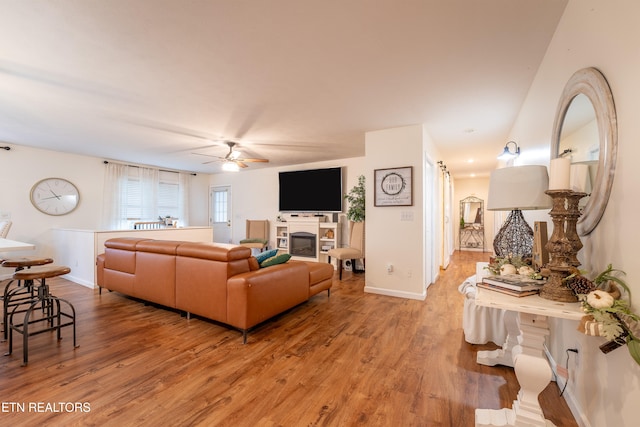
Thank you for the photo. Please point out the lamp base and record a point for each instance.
(515, 238)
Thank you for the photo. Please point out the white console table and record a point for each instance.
(530, 364)
(7, 245)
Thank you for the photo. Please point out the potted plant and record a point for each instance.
(355, 197)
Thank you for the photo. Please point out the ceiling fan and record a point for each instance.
(233, 160)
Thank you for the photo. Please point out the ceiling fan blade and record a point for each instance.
(209, 155)
(242, 120)
(254, 160)
(241, 164)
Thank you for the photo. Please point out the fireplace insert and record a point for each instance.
(303, 244)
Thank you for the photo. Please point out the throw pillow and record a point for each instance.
(278, 259)
(266, 254)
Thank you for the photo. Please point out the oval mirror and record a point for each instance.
(585, 130)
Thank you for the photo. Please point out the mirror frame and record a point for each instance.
(592, 83)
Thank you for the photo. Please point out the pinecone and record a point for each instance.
(581, 285)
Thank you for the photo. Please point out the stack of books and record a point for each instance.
(512, 284)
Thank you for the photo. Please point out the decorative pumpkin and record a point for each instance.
(600, 299)
(525, 270)
(507, 269)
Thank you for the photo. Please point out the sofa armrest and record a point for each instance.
(100, 270)
(256, 296)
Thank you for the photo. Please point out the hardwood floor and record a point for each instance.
(352, 359)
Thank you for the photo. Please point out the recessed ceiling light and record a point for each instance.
(473, 175)
(470, 161)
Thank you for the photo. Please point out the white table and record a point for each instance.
(7, 245)
(530, 364)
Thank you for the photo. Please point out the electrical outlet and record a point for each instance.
(389, 268)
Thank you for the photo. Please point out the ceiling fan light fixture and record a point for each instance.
(235, 154)
(230, 167)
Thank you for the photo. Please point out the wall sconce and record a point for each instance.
(443, 168)
(507, 154)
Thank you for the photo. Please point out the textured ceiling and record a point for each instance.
(161, 82)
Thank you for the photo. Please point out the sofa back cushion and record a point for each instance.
(156, 271)
(201, 287)
(120, 254)
(202, 270)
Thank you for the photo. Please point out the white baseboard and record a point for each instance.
(394, 293)
(568, 396)
(79, 281)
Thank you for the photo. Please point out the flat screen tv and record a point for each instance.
(314, 190)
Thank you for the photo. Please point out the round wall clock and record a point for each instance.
(55, 196)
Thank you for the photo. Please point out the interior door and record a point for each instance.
(220, 213)
(430, 212)
(447, 232)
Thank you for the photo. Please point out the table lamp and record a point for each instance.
(516, 189)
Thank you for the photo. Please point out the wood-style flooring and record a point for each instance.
(348, 360)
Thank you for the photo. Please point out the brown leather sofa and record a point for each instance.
(222, 283)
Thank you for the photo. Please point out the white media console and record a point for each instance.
(307, 238)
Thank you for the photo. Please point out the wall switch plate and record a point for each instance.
(406, 216)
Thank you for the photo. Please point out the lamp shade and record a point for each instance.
(519, 187)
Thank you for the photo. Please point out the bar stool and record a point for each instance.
(22, 291)
(52, 308)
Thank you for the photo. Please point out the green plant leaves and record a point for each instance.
(634, 349)
(355, 197)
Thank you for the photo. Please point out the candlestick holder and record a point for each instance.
(563, 245)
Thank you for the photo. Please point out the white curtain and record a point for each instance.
(183, 195)
(143, 184)
(114, 204)
(149, 185)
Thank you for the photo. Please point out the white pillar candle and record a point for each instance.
(559, 174)
(580, 180)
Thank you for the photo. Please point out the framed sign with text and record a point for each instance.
(393, 187)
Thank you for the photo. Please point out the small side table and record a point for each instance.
(530, 364)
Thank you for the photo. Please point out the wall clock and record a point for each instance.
(55, 196)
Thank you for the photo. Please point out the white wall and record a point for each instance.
(254, 193)
(23, 166)
(605, 390)
(389, 238)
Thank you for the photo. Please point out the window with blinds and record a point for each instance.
(220, 199)
(147, 200)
